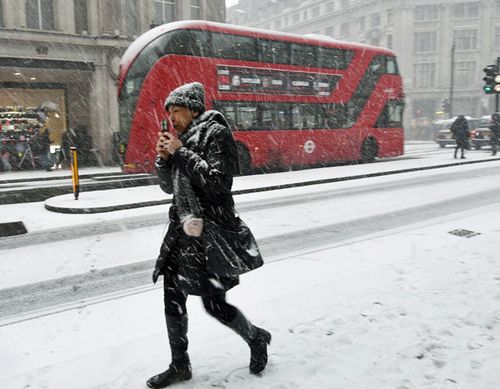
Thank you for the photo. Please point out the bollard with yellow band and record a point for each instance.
(74, 172)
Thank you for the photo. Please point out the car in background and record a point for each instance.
(443, 133)
(481, 136)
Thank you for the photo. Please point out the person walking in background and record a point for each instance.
(41, 148)
(460, 131)
(495, 132)
(207, 246)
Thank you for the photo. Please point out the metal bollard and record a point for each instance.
(74, 172)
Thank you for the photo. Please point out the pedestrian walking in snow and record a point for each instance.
(207, 246)
(460, 131)
(495, 132)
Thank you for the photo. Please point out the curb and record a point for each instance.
(110, 208)
(44, 193)
(64, 177)
(261, 189)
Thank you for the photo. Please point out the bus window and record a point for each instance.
(274, 117)
(282, 117)
(304, 117)
(334, 115)
(229, 112)
(296, 117)
(247, 117)
(274, 51)
(309, 118)
(352, 111)
(133, 82)
(392, 65)
(395, 114)
(392, 115)
(147, 58)
(334, 58)
(384, 64)
(188, 42)
(377, 65)
(234, 47)
(303, 55)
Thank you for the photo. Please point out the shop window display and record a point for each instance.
(24, 138)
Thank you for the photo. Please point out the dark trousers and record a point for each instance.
(216, 305)
(494, 144)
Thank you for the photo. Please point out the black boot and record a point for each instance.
(258, 351)
(170, 376)
(180, 368)
(257, 338)
(455, 154)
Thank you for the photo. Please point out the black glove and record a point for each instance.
(160, 263)
(156, 274)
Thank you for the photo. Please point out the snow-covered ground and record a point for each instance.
(409, 307)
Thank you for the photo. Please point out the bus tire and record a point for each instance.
(244, 161)
(369, 150)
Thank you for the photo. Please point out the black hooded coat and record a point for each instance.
(211, 263)
(460, 131)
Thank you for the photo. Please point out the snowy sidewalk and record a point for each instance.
(105, 200)
(411, 308)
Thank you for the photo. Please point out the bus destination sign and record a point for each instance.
(239, 79)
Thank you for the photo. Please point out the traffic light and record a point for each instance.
(445, 105)
(497, 83)
(491, 73)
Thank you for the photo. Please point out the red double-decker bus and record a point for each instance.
(291, 100)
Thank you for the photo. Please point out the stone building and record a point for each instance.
(423, 33)
(65, 54)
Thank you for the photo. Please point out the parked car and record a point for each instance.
(443, 133)
(482, 134)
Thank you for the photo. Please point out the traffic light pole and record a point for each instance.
(496, 94)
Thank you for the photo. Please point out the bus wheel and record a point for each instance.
(369, 150)
(244, 160)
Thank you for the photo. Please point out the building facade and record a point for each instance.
(64, 55)
(426, 35)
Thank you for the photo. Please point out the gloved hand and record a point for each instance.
(156, 274)
(159, 265)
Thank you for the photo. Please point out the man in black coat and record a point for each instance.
(460, 131)
(495, 132)
(207, 246)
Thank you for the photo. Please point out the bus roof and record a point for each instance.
(136, 47)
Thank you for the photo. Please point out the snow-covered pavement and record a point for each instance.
(411, 308)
